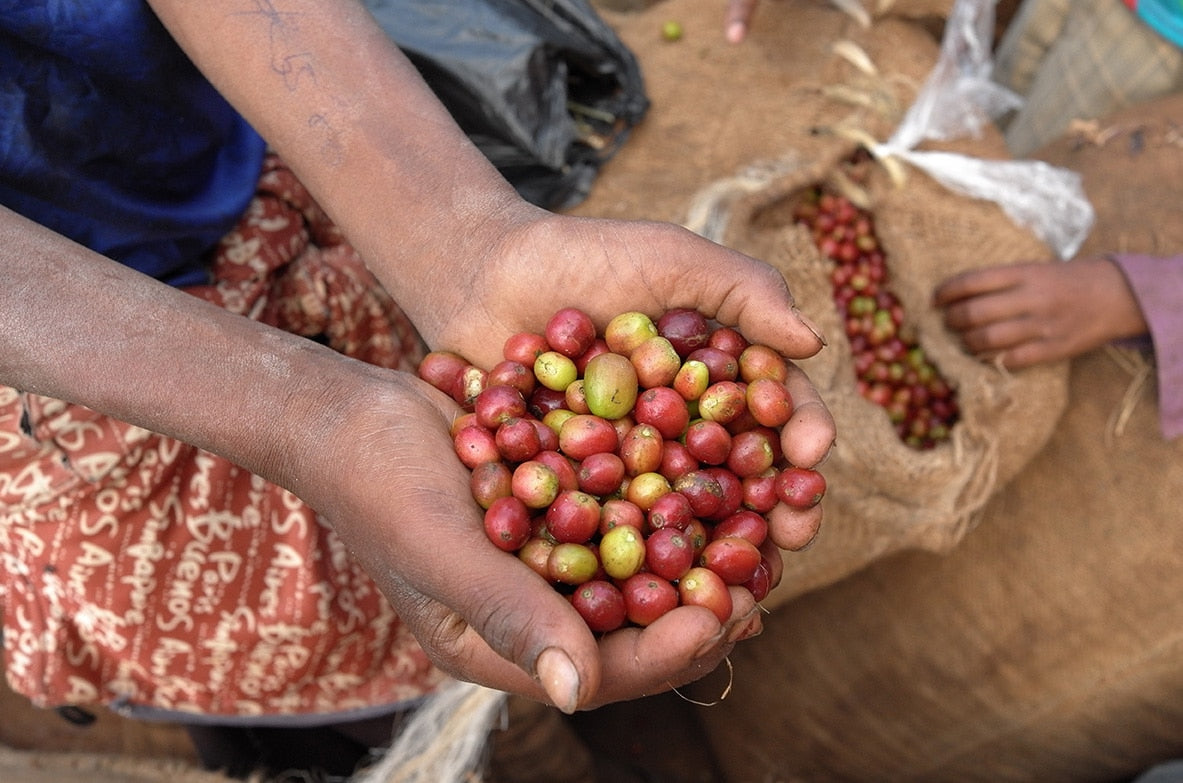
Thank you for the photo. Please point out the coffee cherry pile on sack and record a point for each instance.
(632, 469)
(891, 368)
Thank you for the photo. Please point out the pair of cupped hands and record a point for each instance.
(395, 491)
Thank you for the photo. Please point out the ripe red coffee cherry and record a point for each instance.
(663, 408)
(515, 374)
(702, 490)
(518, 440)
(585, 434)
(721, 365)
(570, 331)
(769, 402)
(475, 445)
(668, 553)
(601, 474)
(728, 340)
(676, 460)
(701, 586)
(573, 517)
(507, 523)
(601, 605)
(708, 441)
(687, 330)
(641, 449)
(647, 597)
(441, 369)
(618, 511)
(800, 488)
(670, 510)
(752, 453)
(760, 585)
(745, 523)
(731, 493)
(733, 559)
(524, 348)
(759, 492)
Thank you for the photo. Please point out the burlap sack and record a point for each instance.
(1046, 646)
(885, 496)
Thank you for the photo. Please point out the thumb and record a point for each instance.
(762, 307)
(513, 631)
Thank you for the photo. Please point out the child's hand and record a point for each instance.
(1032, 313)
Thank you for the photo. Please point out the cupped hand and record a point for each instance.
(606, 267)
(400, 499)
(530, 269)
(1033, 313)
(481, 614)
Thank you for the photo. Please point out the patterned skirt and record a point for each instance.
(145, 574)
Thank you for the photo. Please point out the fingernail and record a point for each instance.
(707, 647)
(559, 678)
(810, 325)
(808, 545)
(745, 628)
(750, 631)
(736, 31)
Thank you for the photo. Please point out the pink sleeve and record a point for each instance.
(1157, 283)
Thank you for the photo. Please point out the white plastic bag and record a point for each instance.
(957, 100)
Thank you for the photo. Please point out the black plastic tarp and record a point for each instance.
(545, 88)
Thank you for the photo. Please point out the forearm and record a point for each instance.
(349, 113)
(85, 329)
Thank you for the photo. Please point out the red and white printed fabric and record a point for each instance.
(139, 570)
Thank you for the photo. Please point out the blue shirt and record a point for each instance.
(110, 136)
